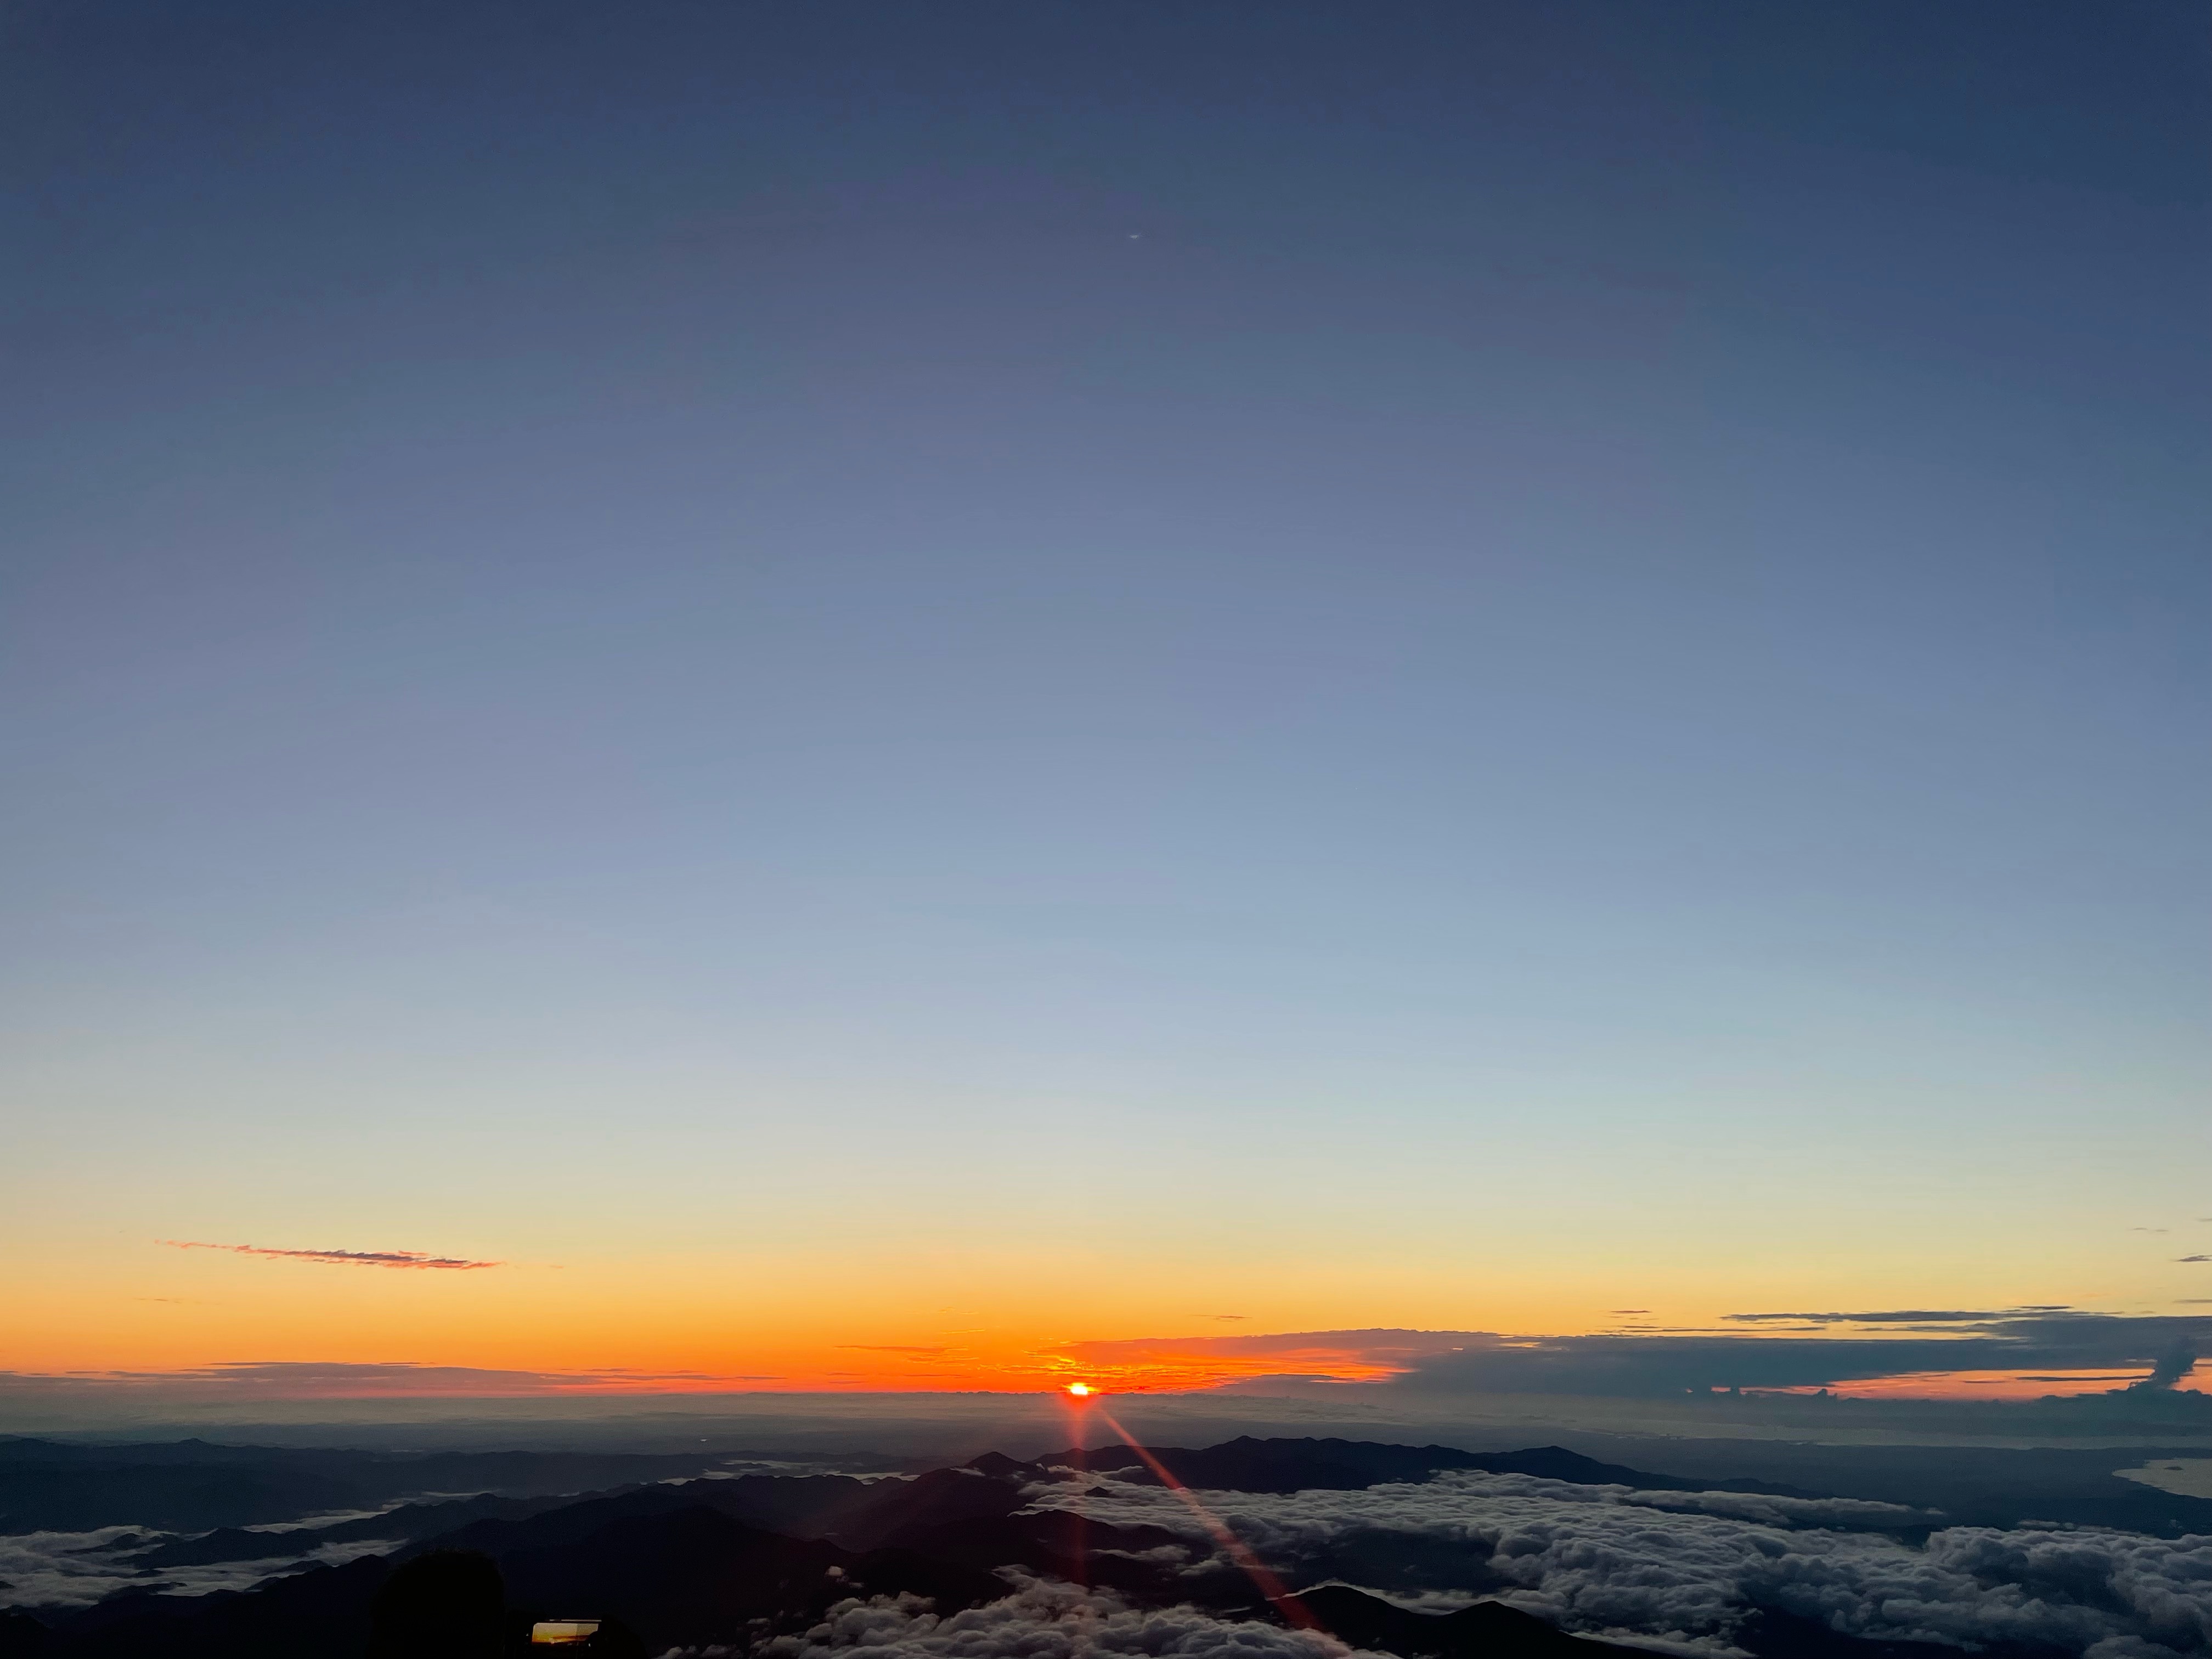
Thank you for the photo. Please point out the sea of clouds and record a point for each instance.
(69, 1569)
(1678, 1571)
(1686, 1570)
(1040, 1620)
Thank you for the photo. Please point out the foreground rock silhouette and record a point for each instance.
(449, 1604)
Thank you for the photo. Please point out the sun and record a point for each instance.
(1080, 1390)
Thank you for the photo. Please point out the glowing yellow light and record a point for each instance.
(1080, 1390)
(562, 1632)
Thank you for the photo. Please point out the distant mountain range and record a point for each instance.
(188, 1486)
(1250, 1465)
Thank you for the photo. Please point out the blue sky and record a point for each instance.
(1450, 653)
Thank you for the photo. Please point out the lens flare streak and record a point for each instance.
(1294, 1612)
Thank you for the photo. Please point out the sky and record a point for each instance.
(851, 696)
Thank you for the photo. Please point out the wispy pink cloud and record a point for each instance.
(356, 1258)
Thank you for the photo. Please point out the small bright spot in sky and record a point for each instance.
(1080, 1390)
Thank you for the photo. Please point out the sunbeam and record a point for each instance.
(1294, 1612)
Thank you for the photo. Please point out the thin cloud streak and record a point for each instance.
(352, 1258)
(1902, 1316)
(265, 1381)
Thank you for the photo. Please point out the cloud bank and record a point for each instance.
(1039, 1621)
(1693, 1569)
(1747, 1351)
(70, 1569)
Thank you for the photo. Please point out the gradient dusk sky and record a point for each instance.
(836, 692)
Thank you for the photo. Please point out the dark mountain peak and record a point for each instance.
(693, 1523)
(1249, 1463)
(1285, 1464)
(224, 1544)
(194, 1486)
(893, 1510)
(498, 1535)
(1487, 1629)
(1557, 1463)
(22, 1636)
(285, 1618)
(1096, 1460)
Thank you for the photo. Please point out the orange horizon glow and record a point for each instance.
(220, 1325)
(1032, 1371)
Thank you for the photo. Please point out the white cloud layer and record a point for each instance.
(1688, 1567)
(1039, 1621)
(67, 1570)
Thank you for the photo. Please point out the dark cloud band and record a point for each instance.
(353, 1258)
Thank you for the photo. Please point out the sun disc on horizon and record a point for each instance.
(1080, 1390)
